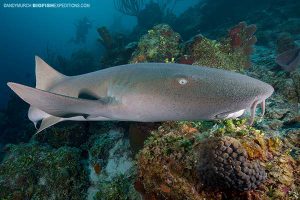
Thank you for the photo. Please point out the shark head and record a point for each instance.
(193, 92)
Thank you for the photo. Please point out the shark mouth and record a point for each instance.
(253, 110)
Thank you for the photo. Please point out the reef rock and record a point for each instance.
(232, 53)
(160, 44)
(112, 169)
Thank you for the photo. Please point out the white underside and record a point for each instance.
(235, 114)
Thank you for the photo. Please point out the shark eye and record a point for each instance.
(182, 81)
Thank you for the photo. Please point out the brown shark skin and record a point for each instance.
(151, 92)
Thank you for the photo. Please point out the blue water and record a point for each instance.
(26, 32)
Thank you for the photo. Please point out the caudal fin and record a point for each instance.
(49, 107)
(46, 78)
(59, 105)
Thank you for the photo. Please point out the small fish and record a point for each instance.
(145, 92)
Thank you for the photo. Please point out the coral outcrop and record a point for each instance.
(232, 53)
(202, 160)
(160, 44)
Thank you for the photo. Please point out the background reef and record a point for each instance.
(171, 160)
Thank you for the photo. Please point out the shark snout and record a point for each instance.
(265, 91)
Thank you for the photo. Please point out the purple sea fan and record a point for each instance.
(289, 60)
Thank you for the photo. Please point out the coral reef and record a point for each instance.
(65, 134)
(160, 44)
(177, 151)
(242, 37)
(32, 171)
(264, 68)
(296, 82)
(112, 168)
(165, 166)
(231, 53)
(138, 133)
(120, 187)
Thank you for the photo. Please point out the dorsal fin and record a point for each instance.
(45, 75)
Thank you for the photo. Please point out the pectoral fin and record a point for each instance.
(59, 105)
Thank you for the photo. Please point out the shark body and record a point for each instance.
(145, 92)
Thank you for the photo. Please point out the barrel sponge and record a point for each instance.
(224, 163)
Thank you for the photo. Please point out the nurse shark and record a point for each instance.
(144, 92)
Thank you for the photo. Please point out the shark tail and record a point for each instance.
(46, 78)
(51, 108)
(54, 108)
